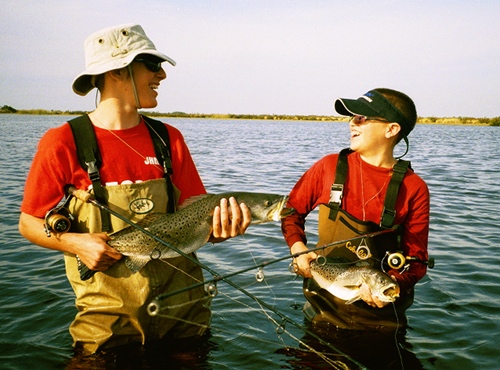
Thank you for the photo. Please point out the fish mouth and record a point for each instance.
(281, 211)
(391, 293)
(285, 212)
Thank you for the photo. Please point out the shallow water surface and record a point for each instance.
(454, 322)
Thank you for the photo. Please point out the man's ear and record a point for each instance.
(118, 74)
(393, 130)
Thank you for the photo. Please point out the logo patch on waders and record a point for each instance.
(141, 205)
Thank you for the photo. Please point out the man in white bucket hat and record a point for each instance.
(125, 67)
(114, 48)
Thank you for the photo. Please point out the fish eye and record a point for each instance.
(267, 203)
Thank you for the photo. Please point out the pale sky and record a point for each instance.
(266, 56)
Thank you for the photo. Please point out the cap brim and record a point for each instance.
(351, 107)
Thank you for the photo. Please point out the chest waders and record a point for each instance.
(112, 305)
(323, 309)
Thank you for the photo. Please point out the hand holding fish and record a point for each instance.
(95, 253)
(229, 220)
(370, 299)
(302, 262)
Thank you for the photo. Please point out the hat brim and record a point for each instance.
(352, 107)
(82, 84)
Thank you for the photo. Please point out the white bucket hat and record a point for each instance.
(113, 48)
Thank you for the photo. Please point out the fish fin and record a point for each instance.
(192, 200)
(353, 299)
(85, 272)
(352, 288)
(362, 264)
(136, 263)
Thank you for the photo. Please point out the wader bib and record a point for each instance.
(112, 305)
(334, 224)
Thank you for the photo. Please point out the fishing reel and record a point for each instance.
(58, 219)
(398, 261)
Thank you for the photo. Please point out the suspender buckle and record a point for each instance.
(388, 217)
(92, 171)
(336, 193)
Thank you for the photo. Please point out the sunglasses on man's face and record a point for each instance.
(359, 120)
(152, 65)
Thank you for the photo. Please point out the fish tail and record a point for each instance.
(85, 272)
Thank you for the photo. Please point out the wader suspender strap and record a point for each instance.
(90, 159)
(389, 211)
(161, 140)
(337, 189)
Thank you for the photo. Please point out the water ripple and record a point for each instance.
(454, 320)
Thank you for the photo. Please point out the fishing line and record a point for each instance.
(396, 336)
(261, 277)
(180, 270)
(281, 329)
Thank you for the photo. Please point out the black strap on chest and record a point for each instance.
(389, 212)
(90, 158)
(161, 140)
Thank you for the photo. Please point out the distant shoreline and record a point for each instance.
(272, 117)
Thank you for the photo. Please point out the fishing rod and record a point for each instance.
(86, 197)
(260, 274)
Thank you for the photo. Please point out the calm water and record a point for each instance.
(455, 321)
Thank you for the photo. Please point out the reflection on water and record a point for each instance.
(454, 321)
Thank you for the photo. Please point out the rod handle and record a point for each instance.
(79, 194)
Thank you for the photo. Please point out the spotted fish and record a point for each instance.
(187, 229)
(343, 280)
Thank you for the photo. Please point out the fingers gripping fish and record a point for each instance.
(187, 229)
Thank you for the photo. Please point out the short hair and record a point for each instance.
(403, 102)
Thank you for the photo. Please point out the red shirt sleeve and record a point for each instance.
(54, 165)
(185, 177)
(312, 189)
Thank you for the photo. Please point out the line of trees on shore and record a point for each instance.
(429, 120)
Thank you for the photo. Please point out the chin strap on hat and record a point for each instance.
(407, 142)
(134, 89)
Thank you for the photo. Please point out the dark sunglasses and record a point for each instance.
(359, 120)
(152, 65)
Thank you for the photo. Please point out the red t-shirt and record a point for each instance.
(363, 198)
(56, 164)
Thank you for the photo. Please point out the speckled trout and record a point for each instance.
(187, 229)
(343, 280)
